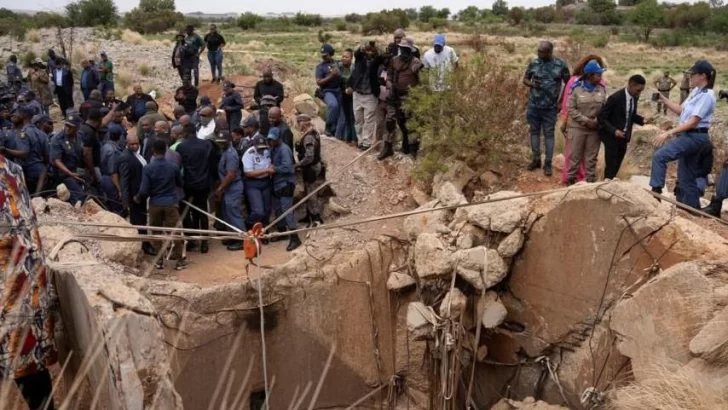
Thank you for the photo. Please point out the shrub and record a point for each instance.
(248, 20)
(27, 59)
(44, 19)
(122, 80)
(92, 13)
(463, 125)
(614, 30)
(152, 23)
(340, 25)
(353, 18)
(33, 36)
(323, 37)
(132, 37)
(144, 69)
(438, 23)
(384, 22)
(308, 20)
(599, 40)
(354, 28)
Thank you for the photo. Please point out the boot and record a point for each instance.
(204, 247)
(294, 242)
(306, 219)
(535, 164)
(235, 246)
(547, 169)
(714, 208)
(148, 249)
(387, 151)
(414, 149)
(316, 220)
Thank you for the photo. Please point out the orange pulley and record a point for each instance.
(252, 245)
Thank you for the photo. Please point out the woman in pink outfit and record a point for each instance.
(578, 71)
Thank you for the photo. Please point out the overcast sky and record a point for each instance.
(324, 7)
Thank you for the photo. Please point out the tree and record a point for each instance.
(443, 13)
(719, 20)
(688, 16)
(562, 3)
(500, 8)
(92, 12)
(307, 20)
(716, 4)
(516, 14)
(248, 20)
(426, 13)
(153, 16)
(385, 21)
(153, 6)
(469, 14)
(412, 14)
(648, 15)
(353, 18)
(544, 15)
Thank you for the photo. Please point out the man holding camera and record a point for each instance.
(39, 80)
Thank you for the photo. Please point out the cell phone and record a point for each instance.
(655, 96)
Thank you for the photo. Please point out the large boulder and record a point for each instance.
(39, 205)
(502, 216)
(427, 222)
(305, 104)
(471, 266)
(432, 258)
(70, 250)
(711, 343)
(450, 195)
(56, 206)
(511, 244)
(398, 281)
(458, 173)
(124, 252)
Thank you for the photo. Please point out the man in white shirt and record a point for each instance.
(206, 128)
(440, 60)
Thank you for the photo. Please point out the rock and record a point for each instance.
(124, 252)
(453, 304)
(471, 263)
(721, 295)
(711, 343)
(458, 174)
(661, 319)
(489, 179)
(63, 193)
(428, 222)
(57, 206)
(528, 403)
(419, 196)
(399, 281)
(72, 251)
(91, 207)
(511, 244)
(305, 104)
(39, 205)
(492, 310)
(558, 162)
(502, 216)
(431, 257)
(338, 209)
(450, 195)
(420, 320)
(464, 241)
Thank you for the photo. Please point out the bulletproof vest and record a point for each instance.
(301, 149)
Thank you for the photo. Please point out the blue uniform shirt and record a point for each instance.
(229, 162)
(322, 71)
(34, 141)
(283, 162)
(113, 125)
(70, 152)
(160, 179)
(253, 160)
(701, 104)
(110, 153)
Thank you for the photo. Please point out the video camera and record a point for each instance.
(723, 94)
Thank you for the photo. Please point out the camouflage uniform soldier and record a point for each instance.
(685, 87)
(664, 85)
(308, 150)
(545, 77)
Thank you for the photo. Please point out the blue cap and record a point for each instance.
(205, 100)
(73, 120)
(273, 134)
(26, 110)
(593, 67)
(38, 118)
(327, 49)
(115, 131)
(702, 67)
(251, 122)
(439, 40)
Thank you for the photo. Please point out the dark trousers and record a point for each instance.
(721, 187)
(195, 219)
(396, 116)
(138, 215)
(345, 130)
(258, 193)
(685, 149)
(168, 217)
(86, 93)
(541, 119)
(37, 389)
(233, 119)
(65, 99)
(614, 152)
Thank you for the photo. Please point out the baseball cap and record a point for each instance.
(439, 40)
(327, 49)
(274, 134)
(701, 67)
(259, 142)
(38, 118)
(593, 67)
(251, 121)
(73, 119)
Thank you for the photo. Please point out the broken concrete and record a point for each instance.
(127, 253)
(429, 222)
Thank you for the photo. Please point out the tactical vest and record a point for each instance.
(301, 149)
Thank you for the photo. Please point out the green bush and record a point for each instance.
(438, 23)
(599, 40)
(308, 20)
(248, 20)
(341, 25)
(154, 22)
(85, 13)
(382, 22)
(27, 59)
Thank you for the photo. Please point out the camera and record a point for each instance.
(723, 94)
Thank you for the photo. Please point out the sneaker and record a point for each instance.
(181, 264)
(534, 165)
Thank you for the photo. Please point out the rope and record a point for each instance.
(325, 184)
(213, 217)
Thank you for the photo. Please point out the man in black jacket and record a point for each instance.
(195, 154)
(129, 168)
(268, 86)
(616, 119)
(137, 103)
(63, 82)
(186, 96)
(365, 83)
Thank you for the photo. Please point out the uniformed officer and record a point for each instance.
(258, 170)
(66, 156)
(117, 124)
(309, 160)
(11, 136)
(230, 191)
(251, 128)
(664, 85)
(110, 183)
(33, 143)
(284, 185)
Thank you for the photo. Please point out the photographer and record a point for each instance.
(691, 136)
(39, 80)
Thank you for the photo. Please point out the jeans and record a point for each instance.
(258, 192)
(345, 127)
(232, 205)
(721, 188)
(75, 188)
(105, 86)
(332, 98)
(542, 119)
(215, 59)
(685, 149)
(282, 204)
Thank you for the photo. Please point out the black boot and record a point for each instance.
(306, 219)
(547, 169)
(316, 220)
(294, 242)
(535, 164)
(714, 208)
(204, 247)
(148, 249)
(387, 151)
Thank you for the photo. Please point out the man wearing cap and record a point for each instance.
(545, 76)
(284, 185)
(214, 42)
(29, 149)
(196, 154)
(89, 79)
(232, 104)
(310, 162)
(250, 132)
(137, 103)
(63, 82)
(364, 81)
(110, 184)
(691, 136)
(403, 73)
(106, 74)
(258, 170)
(397, 38)
(186, 96)
(195, 46)
(275, 118)
(230, 190)
(328, 79)
(664, 85)
(66, 157)
(441, 59)
(39, 81)
(268, 86)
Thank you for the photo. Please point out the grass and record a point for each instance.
(33, 36)
(144, 69)
(132, 37)
(122, 80)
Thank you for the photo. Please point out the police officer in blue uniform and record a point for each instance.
(117, 124)
(230, 191)
(284, 185)
(32, 144)
(258, 170)
(66, 156)
(110, 184)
